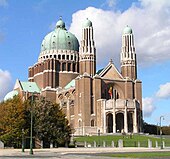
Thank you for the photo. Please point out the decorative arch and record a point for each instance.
(109, 122)
(60, 96)
(92, 123)
(79, 123)
(119, 122)
(130, 121)
(114, 91)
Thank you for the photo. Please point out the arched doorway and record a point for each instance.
(119, 122)
(130, 122)
(109, 123)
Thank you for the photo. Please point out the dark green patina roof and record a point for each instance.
(98, 72)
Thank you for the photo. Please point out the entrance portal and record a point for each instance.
(119, 122)
(130, 122)
(109, 123)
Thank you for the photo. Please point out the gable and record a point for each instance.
(110, 72)
(26, 86)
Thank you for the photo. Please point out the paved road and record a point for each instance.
(70, 153)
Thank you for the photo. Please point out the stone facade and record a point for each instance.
(107, 101)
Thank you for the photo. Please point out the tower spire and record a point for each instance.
(87, 49)
(128, 55)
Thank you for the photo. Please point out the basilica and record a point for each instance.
(103, 101)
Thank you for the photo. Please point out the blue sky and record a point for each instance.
(23, 25)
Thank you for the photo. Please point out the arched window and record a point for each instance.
(63, 57)
(58, 66)
(69, 66)
(79, 123)
(92, 123)
(71, 57)
(74, 67)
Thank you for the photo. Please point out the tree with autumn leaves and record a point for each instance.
(49, 122)
(11, 121)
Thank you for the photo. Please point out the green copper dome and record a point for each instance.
(60, 39)
(127, 30)
(87, 23)
(10, 95)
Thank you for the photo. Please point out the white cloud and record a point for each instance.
(164, 91)
(148, 106)
(3, 3)
(151, 26)
(5, 83)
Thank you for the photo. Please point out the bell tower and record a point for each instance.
(87, 55)
(128, 55)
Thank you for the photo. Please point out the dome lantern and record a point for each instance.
(60, 23)
(127, 30)
(87, 23)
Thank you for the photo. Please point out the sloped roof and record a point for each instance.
(30, 87)
(71, 84)
(110, 71)
(98, 72)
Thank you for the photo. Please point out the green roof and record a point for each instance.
(98, 72)
(30, 87)
(60, 39)
(71, 84)
(87, 23)
(127, 30)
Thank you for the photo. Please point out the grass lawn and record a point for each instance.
(129, 141)
(141, 155)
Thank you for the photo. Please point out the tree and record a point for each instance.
(12, 121)
(50, 124)
(166, 130)
(150, 128)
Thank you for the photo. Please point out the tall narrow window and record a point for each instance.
(74, 67)
(92, 123)
(69, 66)
(58, 66)
(63, 66)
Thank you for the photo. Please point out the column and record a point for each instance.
(125, 121)
(135, 130)
(114, 116)
(104, 120)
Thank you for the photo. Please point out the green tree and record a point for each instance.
(50, 124)
(12, 121)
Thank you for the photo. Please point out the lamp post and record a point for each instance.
(31, 149)
(161, 117)
(23, 144)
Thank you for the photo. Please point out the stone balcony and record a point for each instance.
(121, 104)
